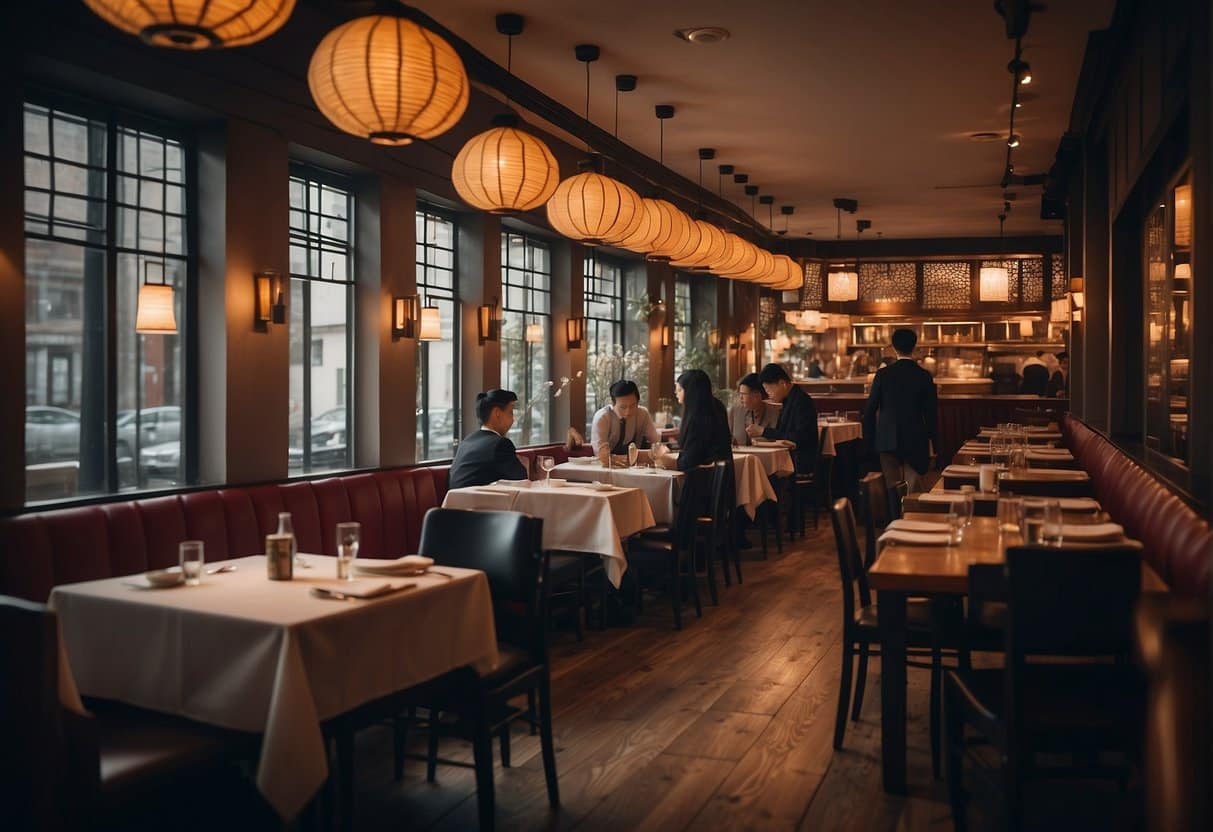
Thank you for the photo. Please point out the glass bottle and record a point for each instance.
(286, 527)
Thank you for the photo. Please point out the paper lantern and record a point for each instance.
(745, 255)
(688, 233)
(154, 313)
(764, 264)
(673, 237)
(993, 285)
(431, 324)
(388, 80)
(504, 169)
(843, 286)
(592, 208)
(1183, 216)
(195, 24)
(787, 275)
(648, 227)
(710, 248)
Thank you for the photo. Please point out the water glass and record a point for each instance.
(348, 537)
(191, 557)
(1053, 531)
(968, 496)
(633, 454)
(547, 463)
(1010, 516)
(1033, 521)
(956, 522)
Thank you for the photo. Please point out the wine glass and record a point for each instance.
(1054, 527)
(633, 454)
(547, 463)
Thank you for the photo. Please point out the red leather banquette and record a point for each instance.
(42, 549)
(1178, 542)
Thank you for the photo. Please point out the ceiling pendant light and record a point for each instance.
(154, 310)
(993, 284)
(680, 237)
(431, 324)
(743, 257)
(505, 170)
(789, 274)
(843, 285)
(640, 238)
(762, 268)
(589, 206)
(711, 244)
(195, 24)
(388, 80)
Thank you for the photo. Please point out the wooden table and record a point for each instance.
(901, 571)
(1074, 483)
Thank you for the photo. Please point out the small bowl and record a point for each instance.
(164, 577)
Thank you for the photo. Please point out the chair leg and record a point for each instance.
(861, 677)
(762, 532)
(531, 710)
(400, 740)
(431, 754)
(482, 750)
(778, 530)
(954, 749)
(345, 776)
(676, 589)
(694, 581)
(713, 549)
(844, 692)
(503, 738)
(579, 611)
(546, 742)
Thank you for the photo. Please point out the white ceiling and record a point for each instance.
(817, 98)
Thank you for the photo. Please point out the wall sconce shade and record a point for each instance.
(195, 24)
(1183, 271)
(1078, 298)
(404, 316)
(486, 322)
(993, 285)
(269, 300)
(665, 336)
(1026, 328)
(154, 314)
(843, 286)
(431, 324)
(534, 333)
(574, 330)
(1183, 216)
(386, 79)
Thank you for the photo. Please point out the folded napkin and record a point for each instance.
(1078, 504)
(1051, 473)
(961, 470)
(407, 565)
(1092, 531)
(902, 525)
(942, 496)
(914, 538)
(774, 443)
(363, 589)
(1043, 457)
(1051, 451)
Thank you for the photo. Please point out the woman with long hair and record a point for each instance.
(704, 434)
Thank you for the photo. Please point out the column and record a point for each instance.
(479, 266)
(12, 289)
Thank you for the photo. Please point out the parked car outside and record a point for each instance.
(51, 434)
(157, 425)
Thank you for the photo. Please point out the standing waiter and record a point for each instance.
(899, 419)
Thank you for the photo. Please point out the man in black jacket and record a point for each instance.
(487, 455)
(899, 421)
(797, 417)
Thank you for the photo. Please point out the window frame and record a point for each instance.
(526, 396)
(115, 119)
(423, 210)
(592, 266)
(310, 173)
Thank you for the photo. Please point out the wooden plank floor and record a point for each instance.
(727, 724)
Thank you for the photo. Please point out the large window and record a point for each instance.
(438, 361)
(526, 332)
(682, 322)
(603, 281)
(105, 209)
(321, 305)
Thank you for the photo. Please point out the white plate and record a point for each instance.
(602, 486)
(583, 460)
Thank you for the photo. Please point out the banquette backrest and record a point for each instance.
(39, 550)
(1178, 541)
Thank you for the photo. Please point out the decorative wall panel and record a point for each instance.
(946, 285)
(888, 282)
(1061, 283)
(768, 312)
(1032, 280)
(811, 293)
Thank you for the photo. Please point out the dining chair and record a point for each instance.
(715, 526)
(877, 512)
(861, 627)
(1068, 687)
(572, 576)
(64, 769)
(669, 552)
(771, 513)
(507, 547)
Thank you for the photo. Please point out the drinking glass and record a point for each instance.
(1054, 528)
(191, 557)
(968, 496)
(1010, 516)
(547, 463)
(1018, 459)
(633, 454)
(348, 537)
(956, 522)
(1033, 521)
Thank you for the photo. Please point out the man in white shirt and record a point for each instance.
(623, 421)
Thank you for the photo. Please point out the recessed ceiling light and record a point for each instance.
(702, 34)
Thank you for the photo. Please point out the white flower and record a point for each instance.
(580, 373)
(548, 383)
(564, 380)
(557, 394)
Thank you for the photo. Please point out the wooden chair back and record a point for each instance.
(876, 512)
(850, 566)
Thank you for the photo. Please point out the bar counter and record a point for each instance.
(961, 415)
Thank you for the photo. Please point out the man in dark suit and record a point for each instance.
(1035, 376)
(487, 455)
(797, 417)
(899, 421)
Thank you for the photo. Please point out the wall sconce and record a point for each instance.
(1076, 291)
(714, 338)
(404, 316)
(735, 342)
(574, 330)
(486, 322)
(269, 300)
(665, 336)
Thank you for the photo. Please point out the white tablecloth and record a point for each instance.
(249, 654)
(834, 433)
(575, 518)
(753, 487)
(661, 486)
(775, 461)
